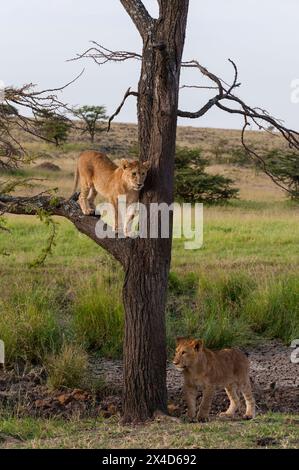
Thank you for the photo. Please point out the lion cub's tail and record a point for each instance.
(76, 179)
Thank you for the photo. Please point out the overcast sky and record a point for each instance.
(261, 36)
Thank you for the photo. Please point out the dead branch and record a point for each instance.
(101, 55)
(258, 116)
(127, 94)
(15, 112)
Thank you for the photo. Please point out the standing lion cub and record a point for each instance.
(98, 174)
(227, 368)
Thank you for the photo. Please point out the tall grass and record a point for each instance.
(98, 320)
(237, 309)
(28, 323)
(273, 309)
(68, 368)
(224, 308)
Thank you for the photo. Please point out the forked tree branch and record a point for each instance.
(139, 15)
(127, 94)
(70, 210)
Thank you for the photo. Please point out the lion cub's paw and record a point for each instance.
(203, 419)
(248, 417)
(89, 212)
(224, 414)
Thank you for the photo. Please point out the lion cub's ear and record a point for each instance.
(124, 163)
(146, 165)
(180, 339)
(197, 344)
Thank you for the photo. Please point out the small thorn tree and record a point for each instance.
(93, 118)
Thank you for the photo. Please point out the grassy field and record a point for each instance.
(240, 288)
(268, 431)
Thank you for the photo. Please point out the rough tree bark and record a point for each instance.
(148, 265)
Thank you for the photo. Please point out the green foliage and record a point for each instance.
(93, 118)
(53, 127)
(8, 110)
(49, 222)
(193, 184)
(240, 157)
(285, 167)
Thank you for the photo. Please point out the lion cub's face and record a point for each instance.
(187, 353)
(134, 173)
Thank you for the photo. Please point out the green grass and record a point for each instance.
(235, 308)
(29, 322)
(98, 318)
(270, 430)
(242, 286)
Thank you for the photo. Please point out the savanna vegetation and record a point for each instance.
(241, 288)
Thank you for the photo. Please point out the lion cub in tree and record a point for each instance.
(227, 368)
(98, 174)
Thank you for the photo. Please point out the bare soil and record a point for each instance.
(275, 381)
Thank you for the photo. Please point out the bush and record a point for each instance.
(68, 368)
(192, 184)
(285, 167)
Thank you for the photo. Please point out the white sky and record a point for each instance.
(261, 36)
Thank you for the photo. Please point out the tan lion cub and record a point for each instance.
(227, 368)
(98, 174)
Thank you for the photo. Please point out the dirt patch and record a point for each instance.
(275, 382)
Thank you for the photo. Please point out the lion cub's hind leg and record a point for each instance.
(91, 198)
(234, 402)
(249, 400)
(83, 200)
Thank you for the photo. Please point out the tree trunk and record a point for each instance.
(145, 287)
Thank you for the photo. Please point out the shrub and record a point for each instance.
(193, 184)
(68, 368)
(285, 167)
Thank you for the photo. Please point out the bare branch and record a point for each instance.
(200, 87)
(139, 15)
(15, 112)
(127, 94)
(69, 209)
(258, 116)
(101, 55)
